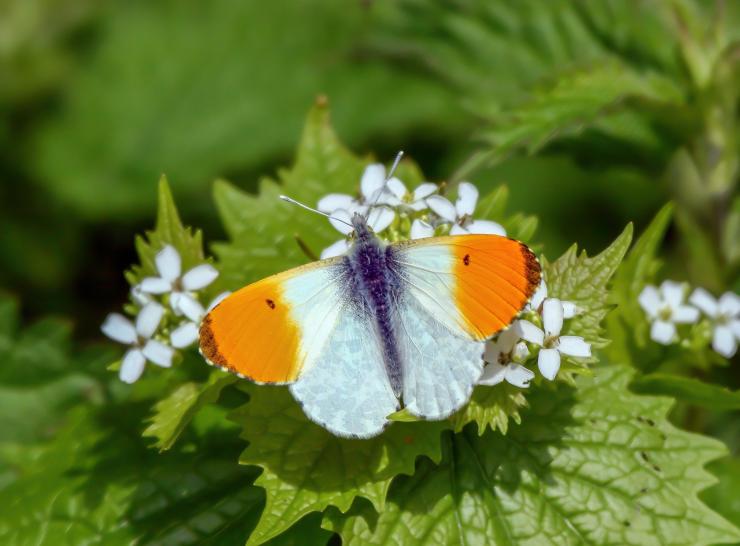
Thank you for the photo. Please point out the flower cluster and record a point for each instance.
(665, 308)
(168, 317)
(506, 354)
(395, 213)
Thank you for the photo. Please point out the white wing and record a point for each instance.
(440, 366)
(346, 389)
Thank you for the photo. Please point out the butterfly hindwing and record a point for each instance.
(270, 330)
(346, 389)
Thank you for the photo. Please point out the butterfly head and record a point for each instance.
(362, 230)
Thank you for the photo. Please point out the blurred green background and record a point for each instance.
(97, 99)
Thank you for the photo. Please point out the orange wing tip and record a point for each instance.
(208, 349)
(532, 270)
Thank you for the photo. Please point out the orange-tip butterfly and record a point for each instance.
(359, 336)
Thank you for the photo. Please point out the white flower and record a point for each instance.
(140, 297)
(378, 220)
(421, 229)
(500, 356)
(187, 333)
(143, 348)
(570, 309)
(725, 315)
(553, 344)
(372, 184)
(180, 287)
(665, 309)
(460, 215)
(415, 200)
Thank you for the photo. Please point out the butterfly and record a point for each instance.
(358, 336)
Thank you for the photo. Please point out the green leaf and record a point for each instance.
(577, 100)
(491, 407)
(722, 496)
(591, 465)
(306, 468)
(95, 484)
(169, 230)
(583, 281)
(173, 414)
(627, 321)
(263, 230)
(689, 390)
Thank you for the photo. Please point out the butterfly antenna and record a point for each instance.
(392, 170)
(294, 202)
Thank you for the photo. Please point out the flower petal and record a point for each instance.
(520, 352)
(158, 353)
(672, 293)
(735, 327)
(190, 307)
(518, 375)
(724, 342)
(218, 299)
(704, 301)
(155, 285)
(549, 363)
(199, 277)
(530, 332)
(508, 338)
(132, 366)
(570, 309)
(420, 229)
(373, 179)
(467, 198)
(663, 332)
(148, 319)
(184, 335)
(492, 352)
(486, 227)
(457, 229)
(168, 263)
(539, 296)
(574, 346)
(341, 219)
(396, 187)
(650, 300)
(140, 297)
(424, 190)
(552, 316)
(685, 314)
(119, 328)
(335, 249)
(729, 304)
(333, 201)
(442, 207)
(380, 218)
(493, 374)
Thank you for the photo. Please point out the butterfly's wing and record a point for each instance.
(347, 389)
(269, 331)
(457, 292)
(298, 327)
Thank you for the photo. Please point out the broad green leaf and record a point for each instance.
(689, 390)
(576, 101)
(491, 407)
(169, 230)
(95, 484)
(268, 235)
(590, 465)
(306, 468)
(627, 322)
(583, 281)
(173, 413)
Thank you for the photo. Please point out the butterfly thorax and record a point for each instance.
(375, 291)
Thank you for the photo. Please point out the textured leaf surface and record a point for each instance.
(174, 413)
(491, 407)
(582, 280)
(592, 465)
(306, 469)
